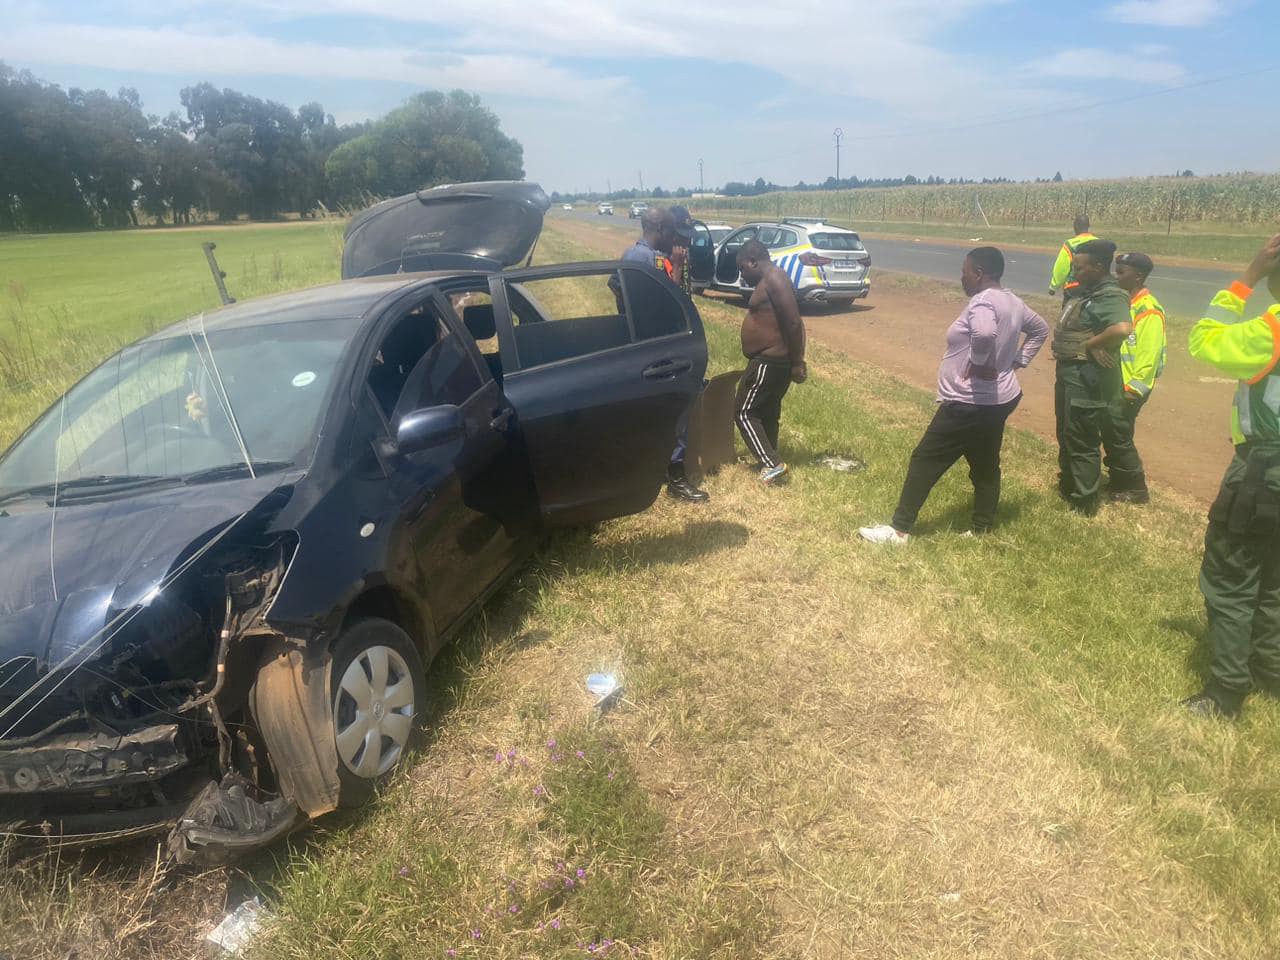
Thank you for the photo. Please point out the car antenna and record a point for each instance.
(219, 276)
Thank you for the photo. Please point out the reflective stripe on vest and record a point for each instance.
(1256, 415)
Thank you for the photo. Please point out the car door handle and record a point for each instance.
(667, 369)
(501, 419)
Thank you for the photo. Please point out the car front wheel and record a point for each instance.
(378, 691)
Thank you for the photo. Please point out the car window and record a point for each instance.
(156, 408)
(741, 237)
(836, 241)
(769, 236)
(475, 309)
(655, 311)
(786, 238)
(718, 234)
(558, 318)
(421, 362)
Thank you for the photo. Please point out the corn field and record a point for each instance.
(1233, 199)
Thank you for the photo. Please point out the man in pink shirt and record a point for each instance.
(977, 390)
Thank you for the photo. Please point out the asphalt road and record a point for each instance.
(1184, 291)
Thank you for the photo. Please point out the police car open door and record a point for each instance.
(600, 362)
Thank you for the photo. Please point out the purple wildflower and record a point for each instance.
(511, 754)
(611, 774)
(557, 757)
(582, 874)
(569, 881)
(514, 908)
(404, 871)
(476, 934)
(551, 744)
(560, 867)
(580, 755)
(555, 924)
(451, 952)
(499, 757)
(539, 790)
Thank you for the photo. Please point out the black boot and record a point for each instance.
(680, 486)
(1214, 701)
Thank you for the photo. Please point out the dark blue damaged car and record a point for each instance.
(233, 549)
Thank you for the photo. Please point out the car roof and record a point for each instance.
(348, 299)
(801, 224)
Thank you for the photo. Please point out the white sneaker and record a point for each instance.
(884, 534)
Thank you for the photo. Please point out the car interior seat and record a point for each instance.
(479, 321)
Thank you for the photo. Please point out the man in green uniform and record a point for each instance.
(1086, 344)
(1240, 575)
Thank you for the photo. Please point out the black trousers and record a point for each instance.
(957, 430)
(759, 409)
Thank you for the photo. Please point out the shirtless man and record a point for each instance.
(773, 342)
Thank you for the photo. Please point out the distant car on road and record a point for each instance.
(604, 209)
(567, 206)
(826, 263)
(637, 209)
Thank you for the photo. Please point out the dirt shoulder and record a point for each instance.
(1182, 433)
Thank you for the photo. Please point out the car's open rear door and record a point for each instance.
(600, 362)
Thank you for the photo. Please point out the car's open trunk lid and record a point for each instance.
(484, 226)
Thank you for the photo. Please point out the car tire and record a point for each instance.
(377, 662)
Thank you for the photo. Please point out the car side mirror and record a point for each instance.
(429, 427)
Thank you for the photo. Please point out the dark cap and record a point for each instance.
(684, 222)
(1139, 261)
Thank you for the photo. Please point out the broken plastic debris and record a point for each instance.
(843, 464)
(603, 685)
(237, 927)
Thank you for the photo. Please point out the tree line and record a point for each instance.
(75, 159)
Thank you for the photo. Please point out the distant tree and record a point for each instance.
(1186, 173)
(432, 138)
(1057, 177)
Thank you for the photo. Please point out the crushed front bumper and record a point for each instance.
(82, 789)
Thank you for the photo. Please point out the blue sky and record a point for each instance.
(604, 93)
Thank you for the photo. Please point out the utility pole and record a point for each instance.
(838, 134)
(701, 189)
(609, 184)
(640, 174)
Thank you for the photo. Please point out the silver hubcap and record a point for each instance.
(373, 712)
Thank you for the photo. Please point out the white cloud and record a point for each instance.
(1097, 64)
(185, 52)
(887, 53)
(1168, 13)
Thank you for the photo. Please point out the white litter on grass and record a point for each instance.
(843, 464)
(1217, 380)
(237, 928)
(603, 686)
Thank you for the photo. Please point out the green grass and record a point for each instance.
(965, 748)
(69, 300)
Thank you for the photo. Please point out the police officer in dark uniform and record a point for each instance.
(1086, 344)
(1240, 575)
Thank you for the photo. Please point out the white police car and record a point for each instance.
(826, 263)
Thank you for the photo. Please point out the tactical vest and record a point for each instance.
(1256, 414)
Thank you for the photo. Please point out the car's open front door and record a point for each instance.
(600, 362)
(702, 256)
